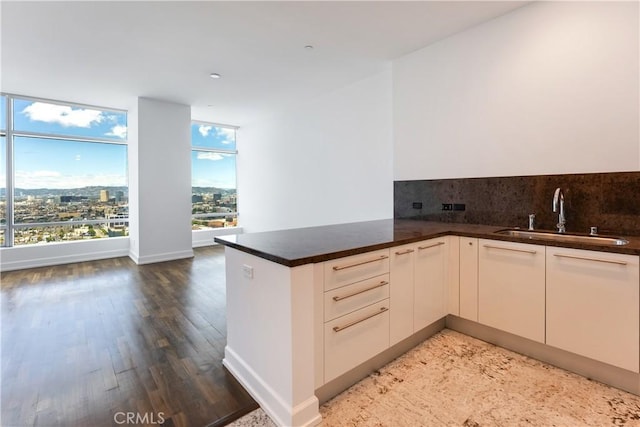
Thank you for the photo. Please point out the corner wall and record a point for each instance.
(328, 161)
(550, 88)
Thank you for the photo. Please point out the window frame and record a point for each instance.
(9, 133)
(197, 148)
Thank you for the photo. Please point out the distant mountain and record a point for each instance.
(94, 191)
(91, 192)
(213, 190)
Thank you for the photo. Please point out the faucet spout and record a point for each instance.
(558, 205)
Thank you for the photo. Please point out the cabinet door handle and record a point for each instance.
(407, 251)
(355, 264)
(527, 251)
(379, 285)
(608, 261)
(431, 246)
(355, 322)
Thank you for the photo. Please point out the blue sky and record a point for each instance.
(45, 163)
(51, 163)
(212, 169)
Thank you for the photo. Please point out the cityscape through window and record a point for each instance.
(63, 172)
(213, 176)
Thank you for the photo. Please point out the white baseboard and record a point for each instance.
(305, 414)
(167, 256)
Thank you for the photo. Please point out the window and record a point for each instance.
(213, 176)
(63, 173)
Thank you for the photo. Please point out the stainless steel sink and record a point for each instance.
(575, 238)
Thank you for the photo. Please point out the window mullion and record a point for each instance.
(10, 186)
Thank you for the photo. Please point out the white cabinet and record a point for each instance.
(593, 305)
(356, 311)
(469, 278)
(430, 284)
(511, 288)
(355, 338)
(343, 271)
(453, 275)
(344, 300)
(418, 286)
(401, 295)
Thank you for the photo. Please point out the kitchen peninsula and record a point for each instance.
(310, 311)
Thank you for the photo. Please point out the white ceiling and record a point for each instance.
(107, 53)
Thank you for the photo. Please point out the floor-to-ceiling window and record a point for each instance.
(64, 172)
(213, 176)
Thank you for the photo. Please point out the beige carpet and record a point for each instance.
(455, 380)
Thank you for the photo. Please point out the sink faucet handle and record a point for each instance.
(532, 221)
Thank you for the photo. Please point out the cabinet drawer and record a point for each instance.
(346, 299)
(355, 338)
(355, 268)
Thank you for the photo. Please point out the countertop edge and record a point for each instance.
(448, 229)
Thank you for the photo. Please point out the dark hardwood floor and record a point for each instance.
(109, 343)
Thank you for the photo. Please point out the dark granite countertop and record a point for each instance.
(301, 246)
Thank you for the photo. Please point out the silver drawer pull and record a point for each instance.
(355, 322)
(379, 285)
(342, 267)
(431, 246)
(608, 261)
(407, 251)
(527, 251)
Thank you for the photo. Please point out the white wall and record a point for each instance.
(549, 88)
(160, 182)
(328, 161)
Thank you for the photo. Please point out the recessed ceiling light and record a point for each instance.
(214, 75)
(308, 47)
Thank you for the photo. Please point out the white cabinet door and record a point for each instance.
(593, 305)
(469, 278)
(401, 293)
(453, 275)
(511, 288)
(430, 284)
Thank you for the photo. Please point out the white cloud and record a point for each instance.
(54, 179)
(119, 131)
(227, 134)
(204, 130)
(204, 155)
(63, 115)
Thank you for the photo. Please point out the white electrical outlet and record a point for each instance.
(247, 271)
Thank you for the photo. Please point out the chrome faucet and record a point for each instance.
(558, 202)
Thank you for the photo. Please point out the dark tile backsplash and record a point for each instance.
(609, 201)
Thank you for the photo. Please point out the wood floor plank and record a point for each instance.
(86, 341)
